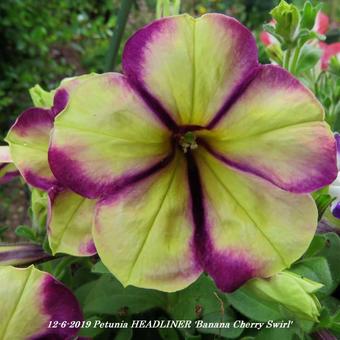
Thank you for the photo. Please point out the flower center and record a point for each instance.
(188, 141)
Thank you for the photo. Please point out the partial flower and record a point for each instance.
(200, 158)
(329, 51)
(20, 254)
(268, 39)
(8, 170)
(334, 188)
(33, 303)
(321, 25)
(70, 215)
(290, 290)
(324, 334)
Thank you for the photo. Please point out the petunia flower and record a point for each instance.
(69, 219)
(321, 25)
(268, 39)
(334, 188)
(8, 171)
(200, 158)
(328, 51)
(34, 305)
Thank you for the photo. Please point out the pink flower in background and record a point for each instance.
(329, 50)
(321, 23)
(266, 38)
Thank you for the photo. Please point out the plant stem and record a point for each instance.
(295, 59)
(118, 34)
(286, 59)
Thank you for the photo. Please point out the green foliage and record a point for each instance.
(45, 42)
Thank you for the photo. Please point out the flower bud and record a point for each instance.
(21, 254)
(290, 290)
(40, 97)
(287, 19)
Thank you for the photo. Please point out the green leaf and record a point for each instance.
(316, 269)
(331, 252)
(99, 268)
(309, 56)
(91, 331)
(118, 34)
(124, 334)
(309, 13)
(2, 230)
(335, 322)
(214, 317)
(168, 334)
(317, 244)
(334, 66)
(107, 296)
(253, 307)
(280, 333)
(26, 232)
(192, 337)
(198, 299)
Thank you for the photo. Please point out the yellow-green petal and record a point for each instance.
(276, 131)
(252, 228)
(30, 300)
(105, 137)
(70, 223)
(144, 235)
(192, 67)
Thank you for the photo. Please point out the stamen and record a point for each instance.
(188, 141)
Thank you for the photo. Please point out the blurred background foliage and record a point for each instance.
(46, 41)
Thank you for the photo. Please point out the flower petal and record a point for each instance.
(67, 85)
(70, 223)
(30, 299)
(276, 131)
(20, 254)
(30, 135)
(107, 138)
(5, 155)
(152, 229)
(8, 171)
(252, 228)
(191, 67)
(28, 141)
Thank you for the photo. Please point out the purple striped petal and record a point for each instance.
(104, 142)
(21, 254)
(28, 139)
(34, 305)
(8, 171)
(276, 130)
(194, 69)
(245, 227)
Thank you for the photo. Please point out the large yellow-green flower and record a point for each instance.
(200, 158)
